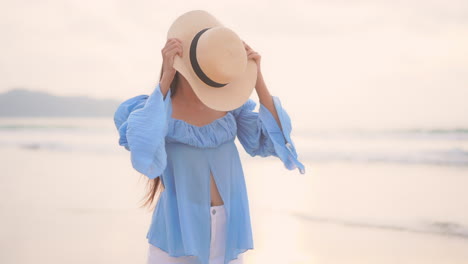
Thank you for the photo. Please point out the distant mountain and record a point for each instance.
(27, 103)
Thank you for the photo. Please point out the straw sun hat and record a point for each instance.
(214, 61)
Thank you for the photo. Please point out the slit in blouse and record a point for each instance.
(214, 188)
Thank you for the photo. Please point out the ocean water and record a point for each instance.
(69, 194)
(446, 147)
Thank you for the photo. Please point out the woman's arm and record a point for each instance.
(172, 48)
(141, 122)
(266, 133)
(264, 95)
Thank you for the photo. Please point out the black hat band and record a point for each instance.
(196, 67)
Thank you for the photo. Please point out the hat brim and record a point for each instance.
(226, 98)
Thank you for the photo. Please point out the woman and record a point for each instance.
(176, 140)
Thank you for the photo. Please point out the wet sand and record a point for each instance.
(82, 207)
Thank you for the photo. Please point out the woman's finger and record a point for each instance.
(175, 46)
(173, 51)
(172, 46)
(254, 55)
(250, 52)
(173, 40)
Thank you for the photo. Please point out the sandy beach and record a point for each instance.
(81, 206)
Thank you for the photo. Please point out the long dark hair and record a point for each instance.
(153, 185)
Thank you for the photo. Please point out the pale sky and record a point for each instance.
(331, 63)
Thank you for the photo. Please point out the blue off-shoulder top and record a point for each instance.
(183, 155)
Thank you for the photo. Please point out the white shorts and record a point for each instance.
(217, 247)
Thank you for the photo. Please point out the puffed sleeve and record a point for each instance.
(260, 135)
(142, 122)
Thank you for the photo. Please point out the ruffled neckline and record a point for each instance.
(210, 135)
(185, 122)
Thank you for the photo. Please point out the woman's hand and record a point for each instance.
(173, 46)
(251, 54)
